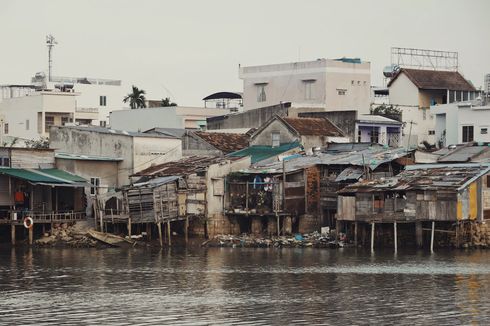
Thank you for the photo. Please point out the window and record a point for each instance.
(276, 139)
(64, 120)
(95, 184)
(374, 135)
(27, 124)
(103, 123)
(432, 132)
(467, 134)
(484, 131)
(352, 82)
(358, 83)
(48, 122)
(6, 128)
(261, 97)
(359, 135)
(424, 114)
(308, 88)
(102, 100)
(4, 161)
(341, 91)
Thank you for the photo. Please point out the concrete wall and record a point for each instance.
(31, 158)
(193, 145)
(155, 150)
(310, 82)
(264, 137)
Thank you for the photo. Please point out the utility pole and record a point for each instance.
(50, 43)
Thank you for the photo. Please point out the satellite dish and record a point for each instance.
(390, 71)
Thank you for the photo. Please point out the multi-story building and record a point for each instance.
(333, 84)
(414, 91)
(30, 116)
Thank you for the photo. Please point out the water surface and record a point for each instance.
(242, 287)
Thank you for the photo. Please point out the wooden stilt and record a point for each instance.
(31, 235)
(363, 234)
(169, 234)
(372, 237)
(12, 234)
(186, 229)
(337, 229)
(432, 237)
(355, 233)
(278, 225)
(395, 237)
(129, 227)
(160, 236)
(418, 234)
(148, 231)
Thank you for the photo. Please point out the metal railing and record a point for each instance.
(47, 216)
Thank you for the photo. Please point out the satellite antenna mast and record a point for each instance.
(50, 43)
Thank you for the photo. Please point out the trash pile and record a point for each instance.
(67, 235)
(314, 240)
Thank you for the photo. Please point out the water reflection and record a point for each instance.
(242, 286)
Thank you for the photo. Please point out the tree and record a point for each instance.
(385, 109)
(136, 98)
(166, 102)
(42, 142)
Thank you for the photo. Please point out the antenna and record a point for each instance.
(50, 43)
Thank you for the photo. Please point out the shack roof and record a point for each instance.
(435, 79)
(261, 152)
(225, 142)
(172, 132)
(182, 167)
(103, 130)
(156, 182)
(424, 177)
(314, 127)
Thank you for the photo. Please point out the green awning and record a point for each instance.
(260, 152)
(49, 177)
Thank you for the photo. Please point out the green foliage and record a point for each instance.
(385, 109)
(42, 142)
(136, 98)
(166, 102)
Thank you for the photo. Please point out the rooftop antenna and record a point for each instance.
(50, 43)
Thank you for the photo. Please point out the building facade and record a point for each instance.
(333, 84)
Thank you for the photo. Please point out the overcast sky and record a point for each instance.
(190, 49)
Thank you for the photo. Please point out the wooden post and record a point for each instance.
(31, 235)
(246, 198)
(12, 234)
(337, 229)
(432, 237)
(186, 229)
(169, 233)
(278, 227)
(129, 227)
(418, 234)
(372, 237)
(148, 231)
(355, 234)
(395, 237)
(160, 237)
(457, 235)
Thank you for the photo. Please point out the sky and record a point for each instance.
(187, 50)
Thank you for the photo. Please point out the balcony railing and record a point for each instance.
(87, 110)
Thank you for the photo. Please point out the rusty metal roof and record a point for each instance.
(314, 127)
(225, 142)
(424, 177)
(436, 79)
(184, 166)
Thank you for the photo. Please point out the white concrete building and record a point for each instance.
(414, 91)
(334, 84)
(163, 117)
(31, 116)
(464, 122)
(378, 129)
(97, 95)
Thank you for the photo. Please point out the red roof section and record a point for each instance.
(314, 127)
(225, 142)
(436, 79)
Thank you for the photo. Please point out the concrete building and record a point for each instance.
(30, 116)
(378, 129)
(15, 90)
(96, 95)
(132, 151)
(463, 122)
(415, 90)
(309, 132)
(163, 117)
(333, 84)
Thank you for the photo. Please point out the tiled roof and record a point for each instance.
(225, 142)
(314, 127)
(259, 152)
(436, 79)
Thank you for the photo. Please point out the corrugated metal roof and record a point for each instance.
(259, 152)
(67, 156)
(157, 181)
(350, 173)
(45, 176)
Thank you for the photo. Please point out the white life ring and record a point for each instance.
(28, 222)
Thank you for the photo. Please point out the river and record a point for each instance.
(222, 286)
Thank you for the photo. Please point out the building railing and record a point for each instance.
(46, 216)
(86, 110)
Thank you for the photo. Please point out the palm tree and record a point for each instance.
(136, 98)
(166, 102)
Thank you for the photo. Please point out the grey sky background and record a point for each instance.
(189, 49)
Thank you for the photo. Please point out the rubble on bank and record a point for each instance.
(67, 235)
(313, 240)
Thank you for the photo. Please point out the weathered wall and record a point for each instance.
(193, 145)
(31, 158)
(149, 151)
(265, 135)
(345, 120)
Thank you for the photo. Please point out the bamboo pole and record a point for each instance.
(432, 237)
(129, 227)
(395, 238)
(31, 235)
(355, 233)
(186, 229)
(160, 236)
(372, 237)
(169, 233)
